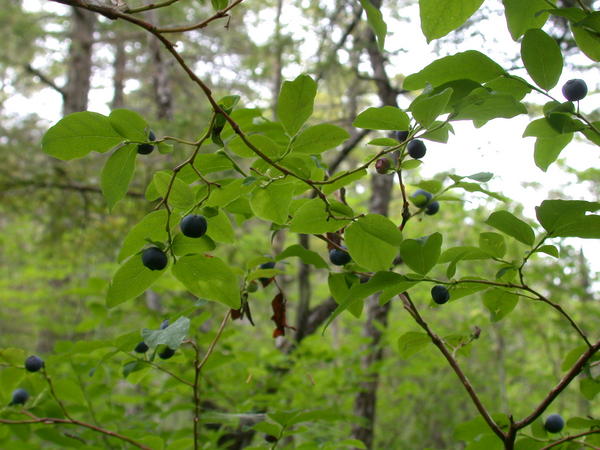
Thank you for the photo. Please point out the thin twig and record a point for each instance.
(54, 421)
(569, 438)
(212, 345)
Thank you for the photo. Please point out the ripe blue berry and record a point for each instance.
(142, 347)
(440, 294)
(432, 208)
(19, 397)
(154, 258)
(145, 148)
(416, 149)
(554, 423)
(339, 257)
(166, 353)
(193, 226)
(420, 198)
(575, 90)
(33, 363)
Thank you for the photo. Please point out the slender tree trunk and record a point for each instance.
(79, 69)
(161, 78)
(304, 292)
(278, 54)
(365, 404)
(119, 65)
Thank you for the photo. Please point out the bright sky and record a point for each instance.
(496, 147)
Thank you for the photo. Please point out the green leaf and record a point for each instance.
(273, 201)
(548, 250)
(426, 108)
(317, 139)
(373, 241)
(80, 133)
(542, 58)
(499, 302)
(295, 104)
(117, 174)
(412, 342)
(180, 195)
(512, 226)
(312, 218)
(172, 336)
(383, 118)
(307, 256)
(263, 143)
(421, 254)
(227, 192)
(470, 65)
(376, 22)
(219, 4)
(513, 86)
(339, 287)
(183, 245)
(390, 283)
(209, 278)
(220, 228)
(481, 105)
(130, 280)
(587, 41)
(569, 218)
(523, 15)
(164, 147)
(464, 252)
(547, 150)
(440, 17)
(589, 387)
(383, 142)
(493, 244)
(129, 124)
(151, 227)
(346, 180)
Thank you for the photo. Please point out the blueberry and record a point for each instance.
(554, 423)
(33, 363)
(164, 324)
(270, 438)
(401, 135)
(142, 347)
(339, 257)
(154, 258)
(166, 353)
(574, 90)
(440, 294)
(145, 148)
(432, 208)
(416, 149)
(19, 397)
(268, 265)
(420, 198)
(193, 226)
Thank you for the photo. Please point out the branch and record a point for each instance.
(212, 345)
(439, 343)
(18, 184)
(346, 149)
(44, 79)
(569, 438)
(54, 421)
(218, 15)
(562, 384)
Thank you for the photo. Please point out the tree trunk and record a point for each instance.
(161, 78)
(365, 404)
(119, 64)
(304, 292)
(79, 70)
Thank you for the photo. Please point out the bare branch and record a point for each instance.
(44, 79)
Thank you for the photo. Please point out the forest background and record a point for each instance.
(373, 381)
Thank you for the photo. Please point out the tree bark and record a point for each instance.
(365, 404)
(304, 292)
(79, 70)
(161, 77)
(119, 65)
